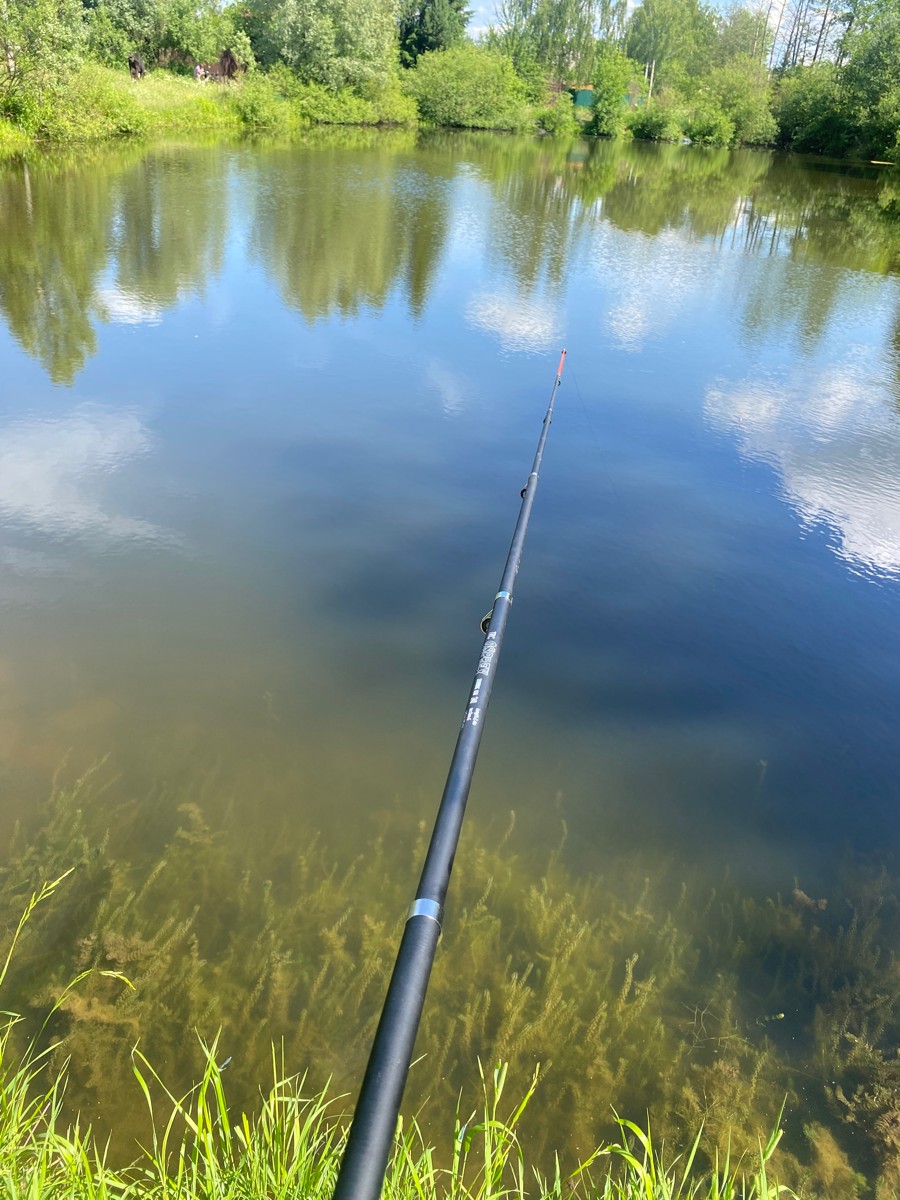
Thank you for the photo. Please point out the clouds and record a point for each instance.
(54, 474)
(126, 308)
(522, 323)
(834, 437)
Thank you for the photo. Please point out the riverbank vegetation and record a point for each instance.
(697, 1007)
(291, 1145)
(805, 74)
(289, 1142)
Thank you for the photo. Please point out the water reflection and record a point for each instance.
(520, 322)
(52, 254)
(833, 433)
(168, 230)
(336, 437)
(54, 471)
(125, 240)
(337, 233)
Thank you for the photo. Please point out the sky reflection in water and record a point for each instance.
(257, 355)
(265, 417)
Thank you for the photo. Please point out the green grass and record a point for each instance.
(98, 104)
(197, 1146)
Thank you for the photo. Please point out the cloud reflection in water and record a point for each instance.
(834, 437)
(521, 322)
(53, 474)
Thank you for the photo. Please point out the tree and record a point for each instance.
(675, 35)
(558, 35)
(430, 25)
(337, 43)
(810, 111)
(742, 33)
(871, 81)
(615, 75)
(40, 40)
(740, 90)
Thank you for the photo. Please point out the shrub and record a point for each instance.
(661, 121)
(262, 109)
(91, 105)
(810, 113)
(709, 126)
(469, 87)
(616, 77)
(740, 91)
(385, 104)
(559, 120)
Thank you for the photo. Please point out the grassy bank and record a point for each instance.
(292, 1146)
(197, 1145)
(97, 104)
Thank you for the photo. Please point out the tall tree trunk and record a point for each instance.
(777, 31)
(821, 36)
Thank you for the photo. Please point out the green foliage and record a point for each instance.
(262, 109)
(469, 87)
(176, 33)
(91, 105)
(676, 35)
(316, 104)
(108, 42)
(430, 25)
(337, 43)
(558, 119)
(810, 111)
(533, 77)
(617, 78)
(558, 35)
(742, 32)
(709, 126)
(662, 120)
(871, 80)
(40, 41)
(737, 95)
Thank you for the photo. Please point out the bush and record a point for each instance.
(660, 121)
(316, 104)
(740, 91)
(810, 113)
(558, 120)
(709, 126)
(262, 109)
(91, 105)
(469, 87)
(616, 77)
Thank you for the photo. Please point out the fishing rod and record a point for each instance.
(361, 1174)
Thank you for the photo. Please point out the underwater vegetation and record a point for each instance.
(634, 988)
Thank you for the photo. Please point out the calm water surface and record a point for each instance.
(265, 415)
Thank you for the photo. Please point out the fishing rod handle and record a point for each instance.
(371, 1135)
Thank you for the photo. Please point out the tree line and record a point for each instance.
(813, 75)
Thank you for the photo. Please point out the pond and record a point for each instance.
(266, 414)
